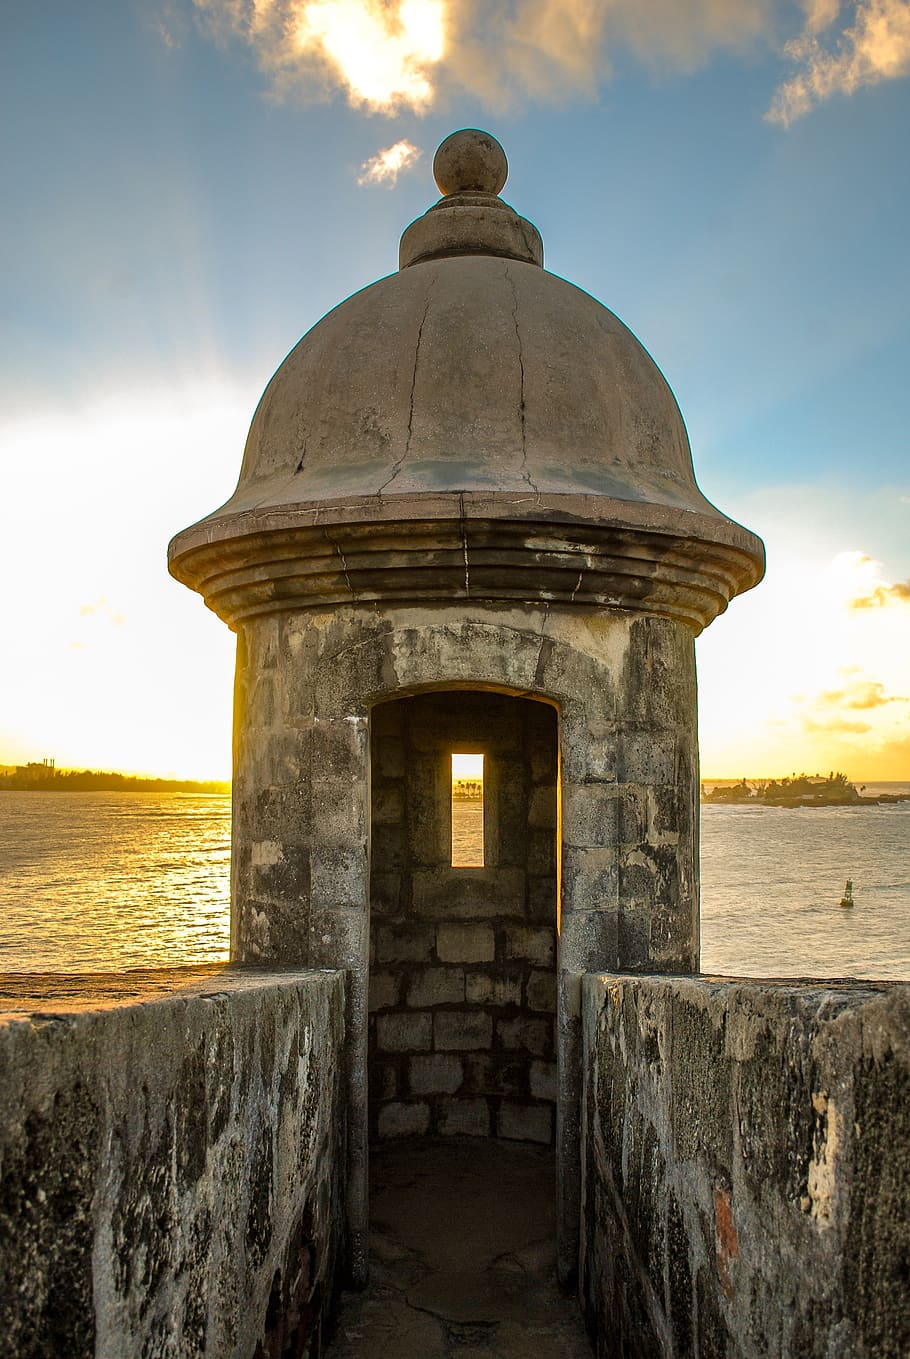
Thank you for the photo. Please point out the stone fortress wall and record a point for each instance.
(746, 1168)
(171, 1163)
(172, 1166)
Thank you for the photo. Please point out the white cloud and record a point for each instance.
(102, 609)
(820, 14)
(389, 55)
(388, 164)
(394, 55)
(882, 595)
(381, 54)
(875, 48)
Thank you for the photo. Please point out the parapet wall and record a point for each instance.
(171, 1153)
(746, 1168)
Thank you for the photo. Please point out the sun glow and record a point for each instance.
(110, 663)
(811, 671)
(467, 767)
(381, 55)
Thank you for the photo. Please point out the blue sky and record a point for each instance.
(182, 203)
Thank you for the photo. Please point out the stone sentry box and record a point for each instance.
(469, 476)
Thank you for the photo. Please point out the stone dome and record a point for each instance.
(471, 400)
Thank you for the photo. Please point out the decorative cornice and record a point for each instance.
(483, 549)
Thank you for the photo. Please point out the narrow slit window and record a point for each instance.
(467, 811)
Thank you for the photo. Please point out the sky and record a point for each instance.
(189, 185)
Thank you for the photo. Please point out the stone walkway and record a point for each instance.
(462, 1257)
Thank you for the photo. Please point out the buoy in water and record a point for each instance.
(847, 898)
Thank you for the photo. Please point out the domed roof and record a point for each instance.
(470, 386)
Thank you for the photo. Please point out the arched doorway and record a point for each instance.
(462, 948)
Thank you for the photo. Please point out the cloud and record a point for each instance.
(835, 726)
(875, 48)
(820, 14)
(391, 56)
(793, 652)
(858, 578)
(394, 55)
(883, 595)
(381, 54)
(388, 164)
(828, 712)
(100, 608)
(97, 618)
(859, 693)
(167, 23)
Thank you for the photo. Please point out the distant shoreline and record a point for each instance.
(112, 783)
(802, 790)
(884, 799)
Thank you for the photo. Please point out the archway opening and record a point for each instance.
(464, 889)
(463, 903)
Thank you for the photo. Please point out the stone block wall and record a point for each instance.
(310, 683)
(746, 1169)
(462, 979)
(171, 1164)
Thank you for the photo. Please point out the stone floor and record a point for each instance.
(462, 1257)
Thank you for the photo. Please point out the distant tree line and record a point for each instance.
(95, 781)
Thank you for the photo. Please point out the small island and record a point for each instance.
(801, 790)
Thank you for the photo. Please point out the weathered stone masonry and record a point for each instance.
(746, 1168)
(308, 687)
(462, 962)
(469, 476)
(171, 1164)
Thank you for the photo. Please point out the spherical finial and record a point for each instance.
(470, 161)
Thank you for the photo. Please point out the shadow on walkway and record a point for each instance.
(462, 1257)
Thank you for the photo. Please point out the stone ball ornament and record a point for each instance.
(470, 161)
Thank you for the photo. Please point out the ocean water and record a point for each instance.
(772, 880)
(110, 880)
(101, 881)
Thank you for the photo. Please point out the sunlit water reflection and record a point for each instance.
(467, 833)
(112, 880)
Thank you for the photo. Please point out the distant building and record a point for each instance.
(35, 772)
